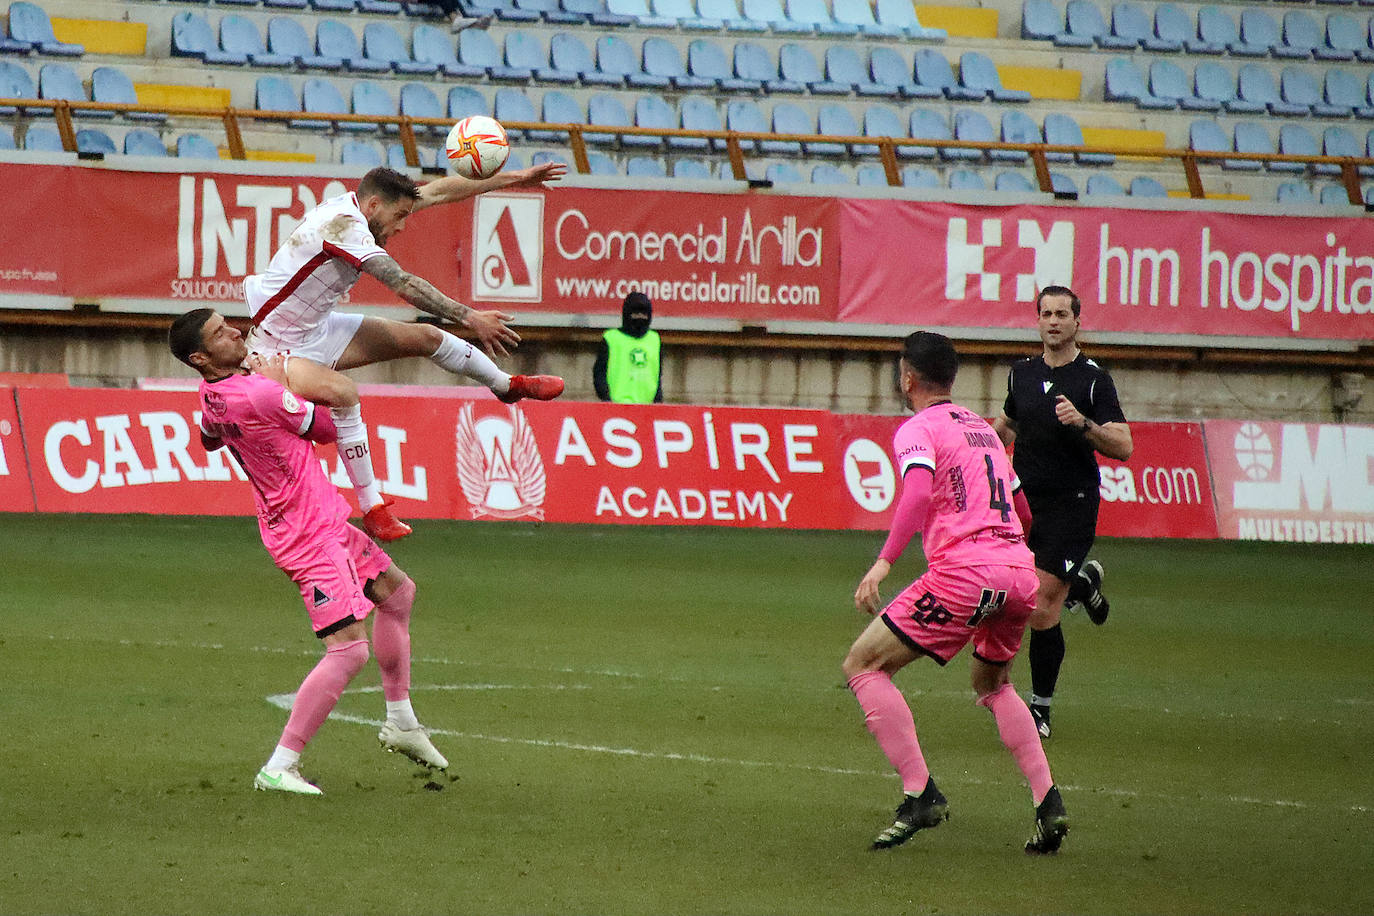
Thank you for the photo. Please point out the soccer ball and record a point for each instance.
(477, 147)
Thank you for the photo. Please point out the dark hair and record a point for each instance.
(1060, 291)
(931, 356)
(388, 184)
(187, 334)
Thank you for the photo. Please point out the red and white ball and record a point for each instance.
(477, 147)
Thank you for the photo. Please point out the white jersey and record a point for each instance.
(310, 272)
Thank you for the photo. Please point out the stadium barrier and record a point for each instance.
(1189, 159)
(457, 453)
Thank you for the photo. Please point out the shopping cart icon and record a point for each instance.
(871, 478)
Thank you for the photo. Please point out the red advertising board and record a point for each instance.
(1293, 481)
(1164, 491)
(15, 493)
(1140, 271)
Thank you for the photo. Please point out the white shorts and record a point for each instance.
(323, 344)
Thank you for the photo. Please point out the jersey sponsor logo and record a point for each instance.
(499, 467)
(868, 475)
(214, 402)
(289, 402)
(508, 247)
(319, 598)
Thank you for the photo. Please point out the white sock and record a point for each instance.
(283, 758)
(356, 457)
(462, 358)
(400, 714)
(1040, 701)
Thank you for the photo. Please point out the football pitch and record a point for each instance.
(653, 720)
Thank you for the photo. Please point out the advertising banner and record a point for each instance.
(1293, 481)
(1164, 491)
(1140, 271)
(15, 493)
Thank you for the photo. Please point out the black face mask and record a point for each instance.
(635, 325)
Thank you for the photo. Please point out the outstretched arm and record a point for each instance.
(488, 327)
(454, 188)
(911, 511)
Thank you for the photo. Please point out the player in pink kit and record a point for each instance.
(293, 308)
(959, 492)
(342, 574)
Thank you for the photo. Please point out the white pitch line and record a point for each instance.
(285, 700)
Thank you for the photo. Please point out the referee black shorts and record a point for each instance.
(1063, 525)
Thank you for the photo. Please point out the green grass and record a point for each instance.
(654, 721)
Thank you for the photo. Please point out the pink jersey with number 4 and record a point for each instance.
(262, 424)
(971, 520)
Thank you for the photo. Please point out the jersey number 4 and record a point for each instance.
(989, 603)
(997, 487)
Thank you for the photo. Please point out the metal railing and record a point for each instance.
(734, 141)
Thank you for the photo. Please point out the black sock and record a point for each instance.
(1046, 655)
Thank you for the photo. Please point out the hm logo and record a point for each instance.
(508, 247)
(966, 258)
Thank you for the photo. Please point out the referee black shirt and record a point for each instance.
(1050, 456)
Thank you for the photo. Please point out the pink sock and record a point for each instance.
(391, 640)
(889, 719)
(320, 690)
(1017, 728)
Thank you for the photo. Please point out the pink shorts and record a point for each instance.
(940, 612)
(331, 579)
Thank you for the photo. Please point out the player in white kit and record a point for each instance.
(292, 306)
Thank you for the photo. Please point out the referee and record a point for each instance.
(1061, 409)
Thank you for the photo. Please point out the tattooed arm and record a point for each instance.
(488, 327)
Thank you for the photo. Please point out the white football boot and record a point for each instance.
(288, 779)
(413, 743)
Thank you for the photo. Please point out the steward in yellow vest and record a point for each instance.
(628, 368)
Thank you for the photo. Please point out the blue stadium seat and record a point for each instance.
(933, 70)
(966, 180)
(477, 50)
(1215, 83)
(694, 169)
(1216, 32)
(1174, 29)
(16, 83)
(826, 174)
(569, 54)
(835, 120)
(1298, 87)
(1041, 20)
(1061, 129)
(1141, 186)
(817, 15)
(1338, 141)
(697, 113)
(143, 142)
(558, 108)
(1132, 23)
(639, 10)
(685, 13)
(514, 105)
(706, 60)
(646, 167)
(1342, 89)
(1013, 182)
(334, 39)
(971, 124)
(240, 35)
(360, 152)
(419, 101)
(40, 138)
(871, 175)
(789, 118)
(1294, 192)
(396, 157)
(796, 63)
(882, 121)
(1062, 185)
(1168, 81)
(193, 37)
(435, 46)
(286, 37)
(783, 173)
(1252, 137)
(914, 176)
(1083, 19)
(653, 111)
(1018, 127)
(926, 124)
(753, 62)
(59, 81)
(598, 163)
(745, 116)
(859, 14)
(28, 23)
(1296, 140)
(662, 59)
(888, 67)
(843, 66)
(91, 140)
(901, 14)
(552, 12)
(1103, 186)
(596, 12)
(371, 98)
(1301, 32)
(334, 6)
(525, 51)
(7, 139)
(771, 13)
(615, 55)
(320, 96)
(1259, 30)
(1208, 137)
(194, 146)
(728, 12)
(464, 102)
(110, 84)
(979, 73)
(1255, 84)
(383, 44)
(1346, 33)
(1124, 83)
(1333, 195)
(608, 111)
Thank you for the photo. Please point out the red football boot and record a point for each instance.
(382, 525)
(537, 387)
